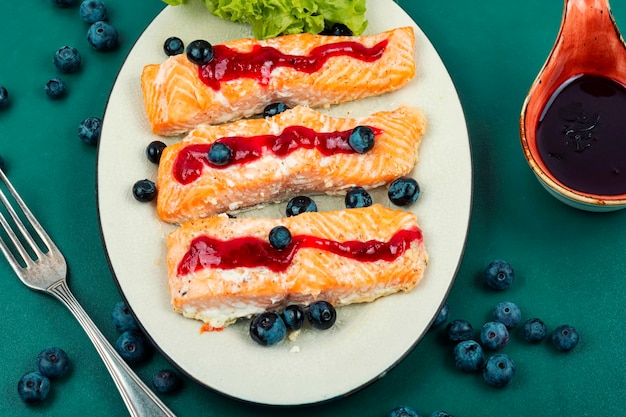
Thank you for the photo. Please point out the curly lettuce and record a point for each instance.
(270, 18)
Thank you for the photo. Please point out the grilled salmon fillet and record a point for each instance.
(189, 187)
(179, 95)
(221, 268)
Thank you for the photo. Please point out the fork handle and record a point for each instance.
(139, 399)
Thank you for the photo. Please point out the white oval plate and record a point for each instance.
(367, 340)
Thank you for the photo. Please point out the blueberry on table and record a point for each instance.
(122, 319)
(4, 96)
(507, 313)
(154, 150)
(274, 109)
(565, 338)
(494, 335)
(403, 412)
(300, 204)
(499, 275)
(67, 59)
(293, 316)
(499, 370)
(361, 139)
(64, 3)
(33, 387)
(55, 88)
(92, 11)
(267, 328)
(144, 190)
(280, 237)
(89, 130)
(102, 36)
(534, 330)
(321, 315)
(459, 330)
(200, 52)
(53, 362)
(403, 191)
(442, 315)
(166, 381)
(220, 154)
(358, 197)
(132, 346)
(173, 46)
(468, 356)
(440, 413)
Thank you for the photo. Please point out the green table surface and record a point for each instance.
(570, 266)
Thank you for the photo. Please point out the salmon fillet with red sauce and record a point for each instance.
(221, 269)
(295, 152)
(247, 74)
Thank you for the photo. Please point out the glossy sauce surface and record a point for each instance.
(249, 252)
(191, 159)
(258, 64)
(581, 136)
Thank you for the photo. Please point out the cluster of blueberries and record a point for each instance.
(34, 386)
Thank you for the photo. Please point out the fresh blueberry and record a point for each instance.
(92, 11)
(4, 96)
(144, 190)
(507, 313)
(33, 387)
(336, 29)
(565, 338)
(361, 140)
(166, 381)
(102, 36)
(534, 330)
(200, 52)
(67, 59)
(122, 318)
(64, 3)
(459, 330)
(403, 191)
(274, 109)
(89, 130)
(132, 346)
(220, 154)
(442, 316)
(358, 197)
(499, 370)
(55, 88)
(300, 204)
(440, 413)
(403, 412)
(280, 237)
(321, 315)
(293, 316)
(53, 362)
(468, 356)
(154, 150)
(268, 328)
(494, 335)
(173, 46)
(499, 275)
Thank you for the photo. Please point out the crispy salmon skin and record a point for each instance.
(386, 255)
(272, 178)
(176, 99)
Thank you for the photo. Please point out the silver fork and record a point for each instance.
(42, 267)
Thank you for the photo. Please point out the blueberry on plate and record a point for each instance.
(274, 109)
(55, 88)
(293, 316)
(144, 190)
(403, 412)
(565, 338)
(321, 315)
(336, 29)
(122, 318)
(154, 150)
(33, 387)
(92, 11)
(358, 197)
(442, 315)
(102, 36)
(267, 328)
(494, 335)
(220, 154)
(173, 46)
(280, 237)
(468, 356)
(64, 3)
(499, 275)
(200, 52)
(403, 191)
(507, 313)
(361, 139)
(132, 346)
(4, 96)
(89, 130)
(53, 362)
(166, 381)
(534, 330)
(459, 330)
(300, 204)
(499, 370)
(67, 59)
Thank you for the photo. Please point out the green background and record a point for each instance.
(569, 264)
